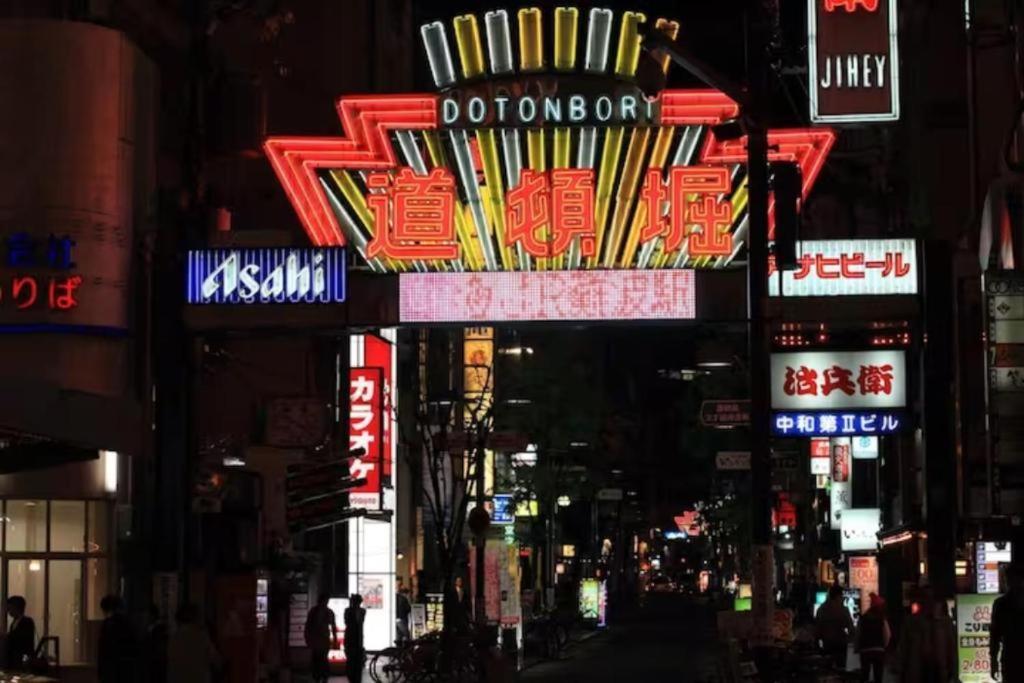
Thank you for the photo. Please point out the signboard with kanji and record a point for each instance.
(849, 268)
(838, 380)
(853, 60)
(725, 413)
(366, 433)
(973, 623)
(536, 154)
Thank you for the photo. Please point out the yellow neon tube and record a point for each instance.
(357, 202)
(566, 34)
(659, 154)
(470, 248)
(471, 52)
(565, 37)
(495, 190)
(628, 55)
(626, 59)
(605, 183)
(631, 170)
(531, 39)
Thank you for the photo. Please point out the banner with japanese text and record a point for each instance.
(366, 431)
(837, 380)
(973, 622)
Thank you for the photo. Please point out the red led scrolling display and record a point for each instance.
(417, 209)
(547, 296)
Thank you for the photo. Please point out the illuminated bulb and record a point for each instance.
(563, 501)
(34, 566)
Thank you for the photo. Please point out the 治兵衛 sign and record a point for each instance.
(853, 61)
(838, 380)
(534, 157)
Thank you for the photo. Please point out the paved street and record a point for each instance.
(672, 638)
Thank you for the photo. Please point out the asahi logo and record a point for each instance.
(266, 276)
(288, 279)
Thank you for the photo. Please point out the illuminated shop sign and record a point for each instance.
(533, 158)
(266, 276)
(849, 267)
(366, 432)
(859, 529)
(42, 277)
(837, 423)
(547, 296)
(838, 380)
(504, 509)
(502, 109)
(853, 60)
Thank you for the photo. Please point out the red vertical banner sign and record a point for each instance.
(366, 432)
(377, 353)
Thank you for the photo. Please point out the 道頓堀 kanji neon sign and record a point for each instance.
(517, 163)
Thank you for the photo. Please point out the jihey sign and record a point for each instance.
(266, 276)
(838, 380)
(849, 267)
(853, 60)
(366, 432)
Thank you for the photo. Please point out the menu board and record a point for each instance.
(435, 611)
(973, 621)
(988, 557)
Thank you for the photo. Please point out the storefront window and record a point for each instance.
(97, 586)
(67, 526)
(99, 527)
(63, 583)
(27, 578)
(65, 613)
(26, 526)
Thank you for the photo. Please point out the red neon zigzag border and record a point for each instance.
(366, 121)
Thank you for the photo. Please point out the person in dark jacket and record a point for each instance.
(117, 651)
(833, 627)
(355, 652)
(873, 638)
(21, 635)
(1006, 636)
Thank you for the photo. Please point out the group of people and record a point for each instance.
(927, 647)
(321, 634)
(123, 655)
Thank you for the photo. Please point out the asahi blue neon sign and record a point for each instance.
(281, 275)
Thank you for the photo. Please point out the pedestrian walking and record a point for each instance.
(1006, 637)
(191, 656)
(117, 656)
(21, 635)
(873, 637)
(355, 653)
(833, 627)
(403, 610)
(321, 634)
(928, 642)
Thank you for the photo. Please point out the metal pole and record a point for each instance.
(760, 390)
(479, 610)
(763, 563)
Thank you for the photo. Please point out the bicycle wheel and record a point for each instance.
(386, 667)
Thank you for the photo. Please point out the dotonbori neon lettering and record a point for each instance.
(554, 109)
